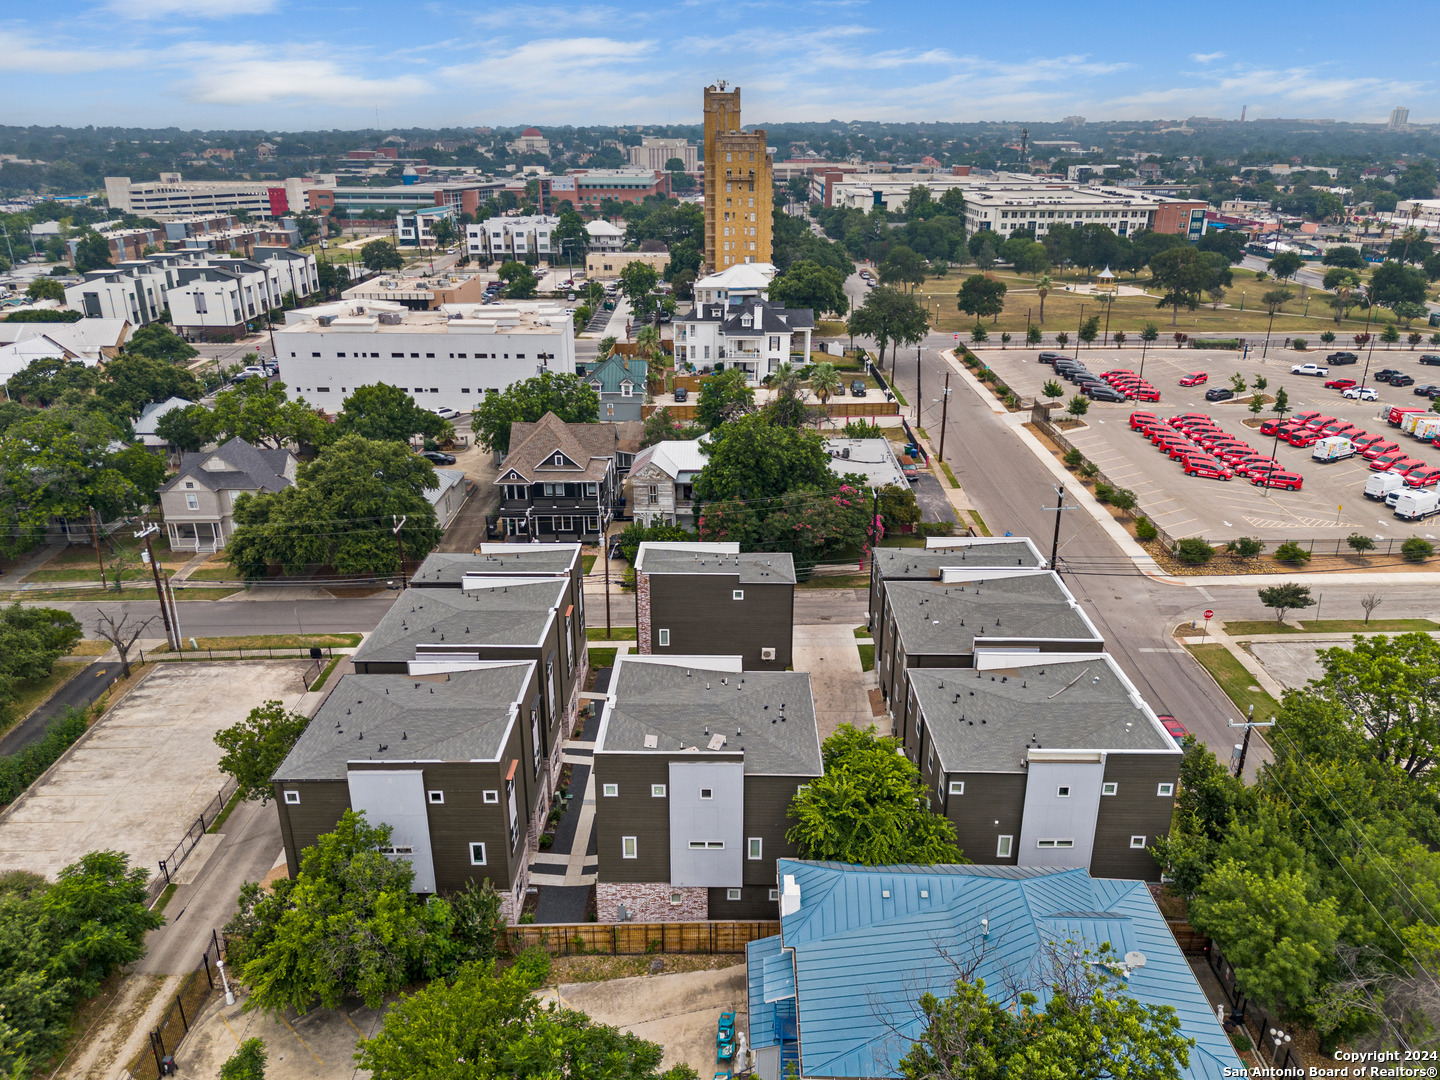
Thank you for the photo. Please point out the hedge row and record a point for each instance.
(19, 771)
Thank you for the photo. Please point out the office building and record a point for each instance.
(657, 153)
(608, 265)
(174, 195)
(738, 185)
(1399, 119)
(370, 203)
(591, 187)
(422, 293)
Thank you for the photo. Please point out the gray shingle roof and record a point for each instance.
(464, 718)
(451, 567)
(756, 567)
(909, 563)
(678, 704)
(252, 468)
(934, 618)
(588, 448)
(986, 721)
(503, 615)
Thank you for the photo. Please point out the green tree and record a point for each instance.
(637, 533)
(92, 253)
(1342, 282)
(158, 341)
(1393, 283)
(1089, 330)
(569, 397)
(870, 807)
(824, 382)
(46, 381)
(255, 747)
(186, 429)
(360, 489)
(1030, 258)
(1183, 273)
(1079, 405)
(520, 280)
(1285, 265)
(247, 1063)
(1033, 335)
(382, 411)
(903, 266)
(751, 458)
(1043, 288)
(32, 640)
(262, 414)
(809, 285)
(1344, 256)
(1389, 335)
(444, 232)
(637, 283)
(890, 317)
(1389, 692)
(661, 426)
(724, 396)
(380, 255)
(980, 296)
(45, 288)
(133, 381)
(1053, 389)
(1287, 596)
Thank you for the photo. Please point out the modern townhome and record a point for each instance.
(434, 631)
(696, 762)
(754, 336)
(561, 482)
(1043, 760)
(662, 482)
(837, 992)
(708, 599)
(441, 759)
(941, 551)
(950, 620)
(199, 500)
(620, 382)
(452, 569)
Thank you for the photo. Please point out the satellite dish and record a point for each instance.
(1134, 959)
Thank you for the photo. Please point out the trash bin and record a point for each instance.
(167, 1065)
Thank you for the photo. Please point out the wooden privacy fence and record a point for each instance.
(626, 939)
(836, 409)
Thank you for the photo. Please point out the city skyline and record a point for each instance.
(198, 64)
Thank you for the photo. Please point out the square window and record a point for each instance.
(491, 798)
(609, 790)
(732, 894)
(477, 854)
(774, 894)
(292, 798)
(707, 793)
(627, 847)
(664, 638)
(1062, 792)
(737, 594)
(1002, 847)
(1109, 789)
(957, 787)
(1137, 841)
(437, 798)
(755, 845)
(657, 791)
(675, 899)
(1165, 790)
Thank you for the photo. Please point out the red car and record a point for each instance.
(1303, 438)
(1175, 729)
(1304, 417)
(1212, 470)
(1375, 449)
(1407, 465)
(1147, 393)
(1118, 371)
(1315, 423)
(1189, 416)
(1386, 461)
(1340, 427)
(1136, 418)
(1195, 378)
(1253, 469)
(1287, 481)
(1363, 440)
(1423, 478)
(1340, 384)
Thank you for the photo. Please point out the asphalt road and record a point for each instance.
(226, 618)
(76, 694)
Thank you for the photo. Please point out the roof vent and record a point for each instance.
(652, 742)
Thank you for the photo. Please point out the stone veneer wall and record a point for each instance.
(649, 901)
(642, 613)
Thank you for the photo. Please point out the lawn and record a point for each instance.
(945, 468)
(617, 633)
(602, 657)
(586, 562)
(862, 632)
(78, 563)
(279, 641)
(1234, 680)
(836, 581)
(1247, 628)
(214, 573)
(37, 595)
(1308, 315)
(867, 657)
(91, 648)
(31, 694)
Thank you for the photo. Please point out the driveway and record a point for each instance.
(75, 694)
(934, 503)
(827, 651)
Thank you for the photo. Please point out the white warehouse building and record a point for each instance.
(451, 357)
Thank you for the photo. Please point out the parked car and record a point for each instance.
(1137, 418)
(1195, 378)
(1146, 392)
(1427, 477)
(1209, 470)
(1272, 427)
(1303, 438)
(1386, 374)
(1309, 369)
(438, 457)
(1425, 390)
(1286, 481)
(857, 387)
(1342, 358)
(1315, 423)
(1407, 465)
(1102, 392)
(1379, 448)
(1252, 469)
(1175, 729)
(1361, 393)
(1430, 359)
(446, 413)
(1386, 461)
(1402, 380)
(1339, 384)
(1219, 393)
(1363, 440)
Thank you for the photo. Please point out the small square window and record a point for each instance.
(292, 798)
(627, 847)
(732, 894)
(657, 791)
(675, 899)
(1165, 790)
(1002, 847)
(707, 793)
(774, 894)
(477, 854)
(755, 846)
(665, 638)
(490, 797)
(437, 798)
(957, 787)
(1137, 841)
(1062, 792)
(737, 594)
(1109, 789)
(610, 791)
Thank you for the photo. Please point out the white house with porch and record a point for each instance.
(199, 500)
(748, 333)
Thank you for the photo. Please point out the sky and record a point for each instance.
(301, 64)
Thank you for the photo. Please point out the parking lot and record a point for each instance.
(1330, 504)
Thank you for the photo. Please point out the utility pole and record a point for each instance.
(400, 524)
(95, 533)
(1249, 724)
(919, 395)
(145, 534)
(1059, 507)
(944, 414)
(604, 520)
(1077, 332)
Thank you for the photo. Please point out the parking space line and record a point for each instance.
(302, 1041)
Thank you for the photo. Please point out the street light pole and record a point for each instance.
(145, 534)
(1077, 332)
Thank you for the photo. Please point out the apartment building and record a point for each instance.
(696, 762)
(505, 239)
(171, 194)
(738, 185)
(655, 154)
(451, 357)
(998, 552)
(451, 569)
(709, 599)
(754, 336)
(417, 227)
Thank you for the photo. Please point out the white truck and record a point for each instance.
(1426, 426)
(1382, 484)
(1333, 448)
(1414, 505)
(1309, 369)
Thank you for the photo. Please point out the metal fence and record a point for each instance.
(628, 939)
(196, 990)
(213, 809)
(298, 652)
(1256, 1021)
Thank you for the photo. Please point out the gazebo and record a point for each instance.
(1106, 283)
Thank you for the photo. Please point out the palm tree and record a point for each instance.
(1043, 287)
(647, 342)
(824, 381)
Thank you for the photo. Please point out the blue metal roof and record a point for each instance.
(780, 977)
(869, 941)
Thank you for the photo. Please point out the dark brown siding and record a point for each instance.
(703, 619)
(322, 804)
(466, 817)
(634, 812)
(1134, 810)
(754, 903)
(989, 797)
(767, 805)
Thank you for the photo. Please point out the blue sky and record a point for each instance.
(294, 64)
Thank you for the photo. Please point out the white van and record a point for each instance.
(1332, 448)
(1382, 484)
(1414, 505)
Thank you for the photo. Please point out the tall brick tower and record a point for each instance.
(738, 185)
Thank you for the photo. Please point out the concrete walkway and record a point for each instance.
(839, 685)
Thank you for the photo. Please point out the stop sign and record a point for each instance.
(1209, 614)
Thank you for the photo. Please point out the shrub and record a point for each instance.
(1241, 1042)
(1122, 499)
(1119, 337)
(978, 333)
(1247, 546)
(1292, 552)
(1417, 549)
(1078, 406)
(1145, 529)
(1103, 492)
(1300, 344)
(1073, 458)
(1328, 337)
(1088, 469)
(1011, 401)
(935, 528)
(1359, 542)
(1053, 389)
(1194, 550)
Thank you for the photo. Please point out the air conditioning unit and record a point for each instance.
(767, 654)
(390, 318)
(325, 320)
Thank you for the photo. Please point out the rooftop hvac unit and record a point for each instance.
(389, 318)
(325, 320)
(845, 452)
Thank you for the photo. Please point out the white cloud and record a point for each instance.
(21, 53)
(1207, 58)
(547, 17)
(291, 75)
(191, 9)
